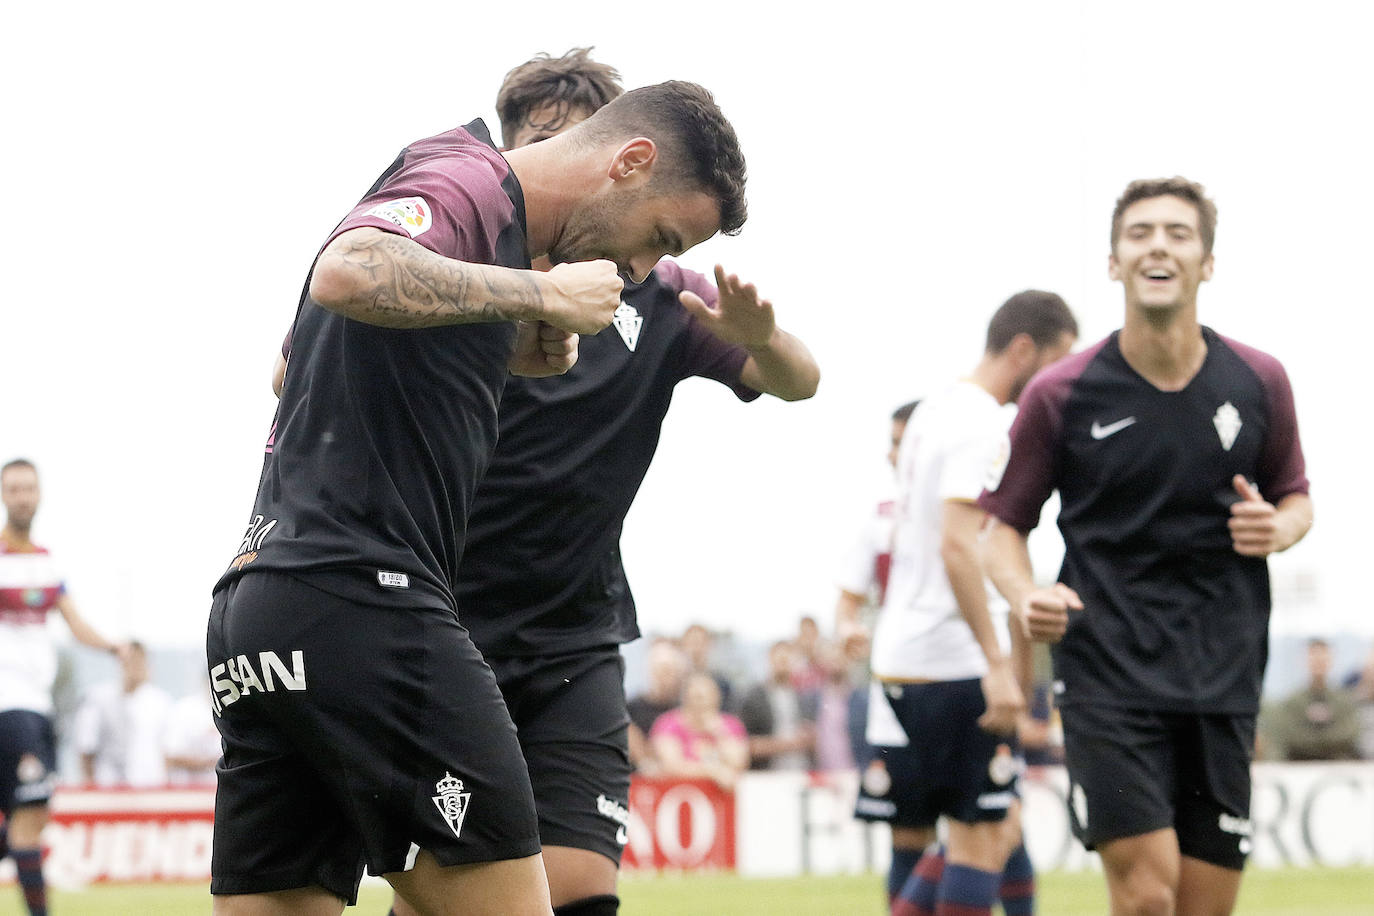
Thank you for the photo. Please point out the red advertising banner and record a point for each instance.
(680, 824)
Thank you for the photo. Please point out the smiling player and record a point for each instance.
(1175, 452)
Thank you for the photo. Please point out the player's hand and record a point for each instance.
(1005, 704)
(1254, 523)
(542, 350)
(1044, 614)
(740, 317)
(582, 296)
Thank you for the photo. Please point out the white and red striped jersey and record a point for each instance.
(30, 586)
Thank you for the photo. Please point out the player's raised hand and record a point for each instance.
(739, 317)
(1005, 703)
(1254, 523)
(542, 350)
(583, 295)
(1044, 614)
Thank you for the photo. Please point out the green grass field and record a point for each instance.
(1286, 892)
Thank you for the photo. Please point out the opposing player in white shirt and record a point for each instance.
(941, 648)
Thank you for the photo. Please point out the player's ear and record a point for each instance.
(1113, 268)
(1207, 264)
(635, 157)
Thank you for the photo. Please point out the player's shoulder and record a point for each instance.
(1055, 381)
(1263, 364)
(674, 276)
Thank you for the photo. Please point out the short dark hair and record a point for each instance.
(17, 463)
(695, 141)
(1044, 316)
(903, 413)
(1178, 186)
(571, 81)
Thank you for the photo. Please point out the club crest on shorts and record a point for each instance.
(451, 801)
(1227, 422)
(628, 323)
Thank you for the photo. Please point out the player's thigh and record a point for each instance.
(1205, 889)
(511, 887)
(1142, 872)
(310, 901)
(1122, 773)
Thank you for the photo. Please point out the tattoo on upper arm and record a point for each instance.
(400, 284)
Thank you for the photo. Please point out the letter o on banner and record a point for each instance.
(685, 824)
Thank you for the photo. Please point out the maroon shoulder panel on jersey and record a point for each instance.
(1282, 467)
(1029, 478)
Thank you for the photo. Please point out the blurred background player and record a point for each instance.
(541, 586)
(30, 587)
(1175, 452)
(418, 308)
(941, 650)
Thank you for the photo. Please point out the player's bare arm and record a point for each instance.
(1041, 613)
(83, 632)
(382, 279)
(959, 552)
(779, 364)
(1259, 528)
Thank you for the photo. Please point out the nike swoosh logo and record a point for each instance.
(1101, 432)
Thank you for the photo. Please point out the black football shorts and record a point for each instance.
(354, 732)
(1135, 771)
(950, 767)
(28, 759)
(573, 726)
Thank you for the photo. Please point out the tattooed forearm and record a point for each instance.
(383, 279)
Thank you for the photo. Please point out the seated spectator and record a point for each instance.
(190, 742)
(780, 720)
(667, 666)
(834, 698)
(1318, 722)
(697, 740)
(699, 645)
(118, 728)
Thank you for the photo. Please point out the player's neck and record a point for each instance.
(553, 178)
(1165, 347)
(15, 537)
(995, 376)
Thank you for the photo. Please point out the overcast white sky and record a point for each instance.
(173, 168)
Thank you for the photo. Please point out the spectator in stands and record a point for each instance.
(1318, 722)
(699, 741)
(699, 644)
(780, 720)
(118, 729)
(808, 674)
(834, 699)
(190, 742)
(667, 666)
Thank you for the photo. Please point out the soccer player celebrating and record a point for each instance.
(541, 587)
(30, 587)
(941, 650)
(1176, 455)
(360, 723)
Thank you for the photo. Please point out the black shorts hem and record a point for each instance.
(448, 858)
(271, 883)
(573, 840)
